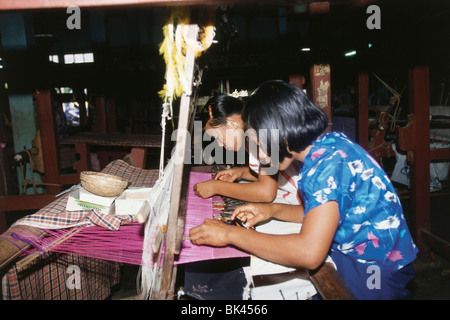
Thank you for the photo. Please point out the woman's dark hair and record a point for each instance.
(222, 107)
(280, 105)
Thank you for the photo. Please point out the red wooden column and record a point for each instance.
(363, 110)
(419, 97)
(100, 115)
(47, 127)
(321, 89)
(298, 80)
(111, 115)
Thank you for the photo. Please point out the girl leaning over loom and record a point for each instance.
(222, 118)
(351, 211)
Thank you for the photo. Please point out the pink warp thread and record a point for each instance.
(197, 210)
(126, 244)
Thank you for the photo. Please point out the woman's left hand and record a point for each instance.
(211, 232)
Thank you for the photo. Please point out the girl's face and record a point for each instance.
(229, 135)
(264, 158)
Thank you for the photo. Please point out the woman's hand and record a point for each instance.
(253, 213)
(230, 175)
(211, 232)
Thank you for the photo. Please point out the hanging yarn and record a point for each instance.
(173, 49)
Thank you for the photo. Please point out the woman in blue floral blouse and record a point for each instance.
(351, 212)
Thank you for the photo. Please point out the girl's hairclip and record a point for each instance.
(210, 112)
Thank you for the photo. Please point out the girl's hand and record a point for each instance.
(229, 175)
(253, 213)
(205, 189)
(211, 232)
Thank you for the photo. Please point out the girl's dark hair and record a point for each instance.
(222, 106)
(280, 105)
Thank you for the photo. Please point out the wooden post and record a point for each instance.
(298, 80)
(363, 110)
(176, 205)
(100, 115)
(85, 162)
(419, 97)
(47, 127)
(321, 89)
(111, 115)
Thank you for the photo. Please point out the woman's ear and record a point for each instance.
(287, 145)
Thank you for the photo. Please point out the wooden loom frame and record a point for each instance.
(177, 209)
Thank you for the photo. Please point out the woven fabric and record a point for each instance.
(46, 278)
(51, 279)
(55, 215)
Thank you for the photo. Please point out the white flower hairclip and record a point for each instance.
(239, 94)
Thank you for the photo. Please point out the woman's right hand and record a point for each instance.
(253, 213)
(229, 175)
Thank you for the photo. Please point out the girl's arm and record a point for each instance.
(308, 248)
(237, 173)
(262, 190)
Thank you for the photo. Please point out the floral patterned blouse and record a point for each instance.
(372, 228)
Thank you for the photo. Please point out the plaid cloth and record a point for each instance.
(53, 278)
(55, 216)
(49, 277)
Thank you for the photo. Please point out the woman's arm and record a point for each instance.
(254, 213)
(308, 248)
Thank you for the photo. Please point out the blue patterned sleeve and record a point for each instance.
(329, 180)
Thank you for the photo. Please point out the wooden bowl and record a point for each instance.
(102, 184)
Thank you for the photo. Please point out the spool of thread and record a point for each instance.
(22, 157)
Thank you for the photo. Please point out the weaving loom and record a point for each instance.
(166, 225)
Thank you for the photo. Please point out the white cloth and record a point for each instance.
(287, 191)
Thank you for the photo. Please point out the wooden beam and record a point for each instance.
(363, 110)
(329, 284)
(9, 204)
(437, 245)
(26, 202)
(11, 252)
(52, 4)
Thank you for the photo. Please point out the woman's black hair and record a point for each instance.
(280, 105)
(221, 106)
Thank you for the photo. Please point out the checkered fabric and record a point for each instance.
(55, 216)
(55, 278)
(50, 277)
